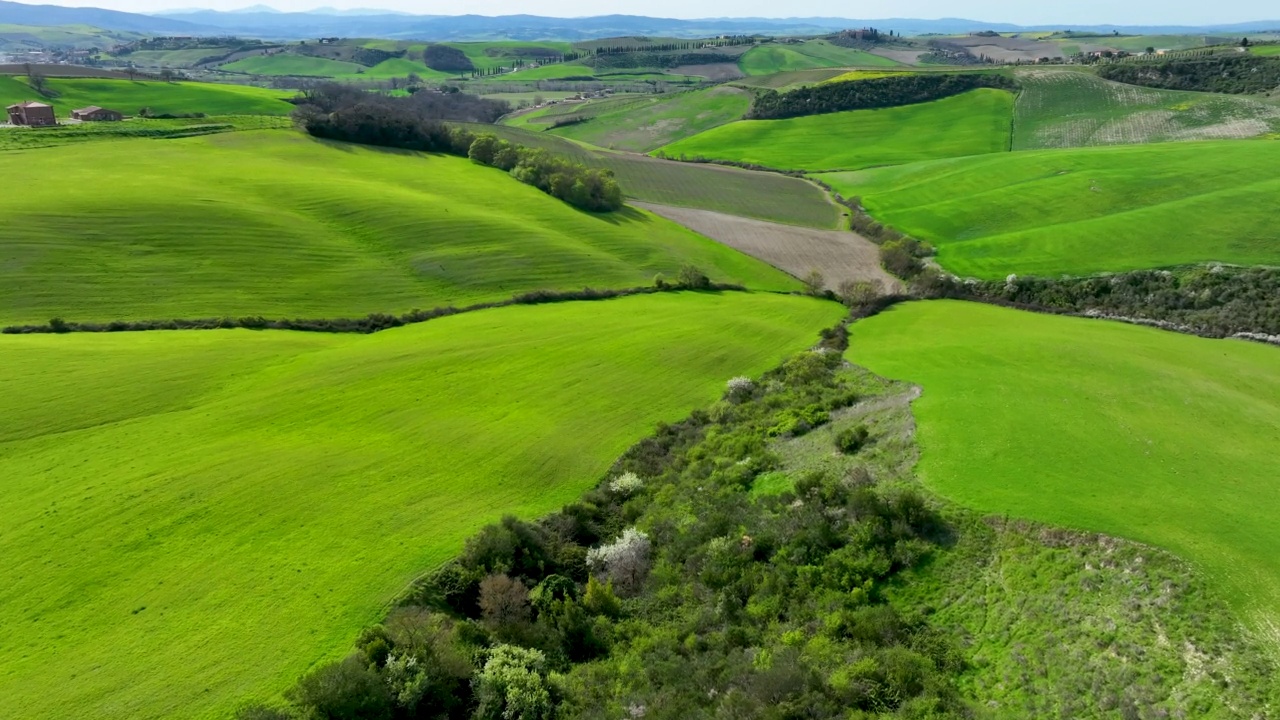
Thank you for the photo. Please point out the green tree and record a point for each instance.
(513, 686)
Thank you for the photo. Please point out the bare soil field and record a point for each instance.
(838, 255)
(907, 57)
(715, 72)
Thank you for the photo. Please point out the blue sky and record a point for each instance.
(1078, 12)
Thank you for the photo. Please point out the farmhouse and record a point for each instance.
(93, 113)
(31, 113)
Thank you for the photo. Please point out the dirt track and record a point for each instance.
(839, 255)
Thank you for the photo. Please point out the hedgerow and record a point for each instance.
(898, 89)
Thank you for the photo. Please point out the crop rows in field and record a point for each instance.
(1061, 109)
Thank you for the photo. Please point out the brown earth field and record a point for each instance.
(907, 57)
(838, 254)
(715, 72)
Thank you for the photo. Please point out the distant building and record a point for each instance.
(93, 113)
(34, 114)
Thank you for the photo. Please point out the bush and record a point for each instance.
(628, 483)
(692, 278)
(739, 389)
(504, 602)
(513, 686)
(850, 440)
(345, 690)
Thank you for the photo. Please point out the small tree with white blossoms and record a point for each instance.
(625, 561)
(628, 483)
(739, 388)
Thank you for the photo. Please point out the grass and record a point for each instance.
(278, 224)
(502, 53)
(860, 75)
(784, 81)
(969, 124)
(772, 58)
(1084, 211)
(760, 195)
(128, 96)
(1076, 109)
(1158, 437)
(650, 121)
(290, 64)
(28, 138)
(1265, 50)
(192, 518)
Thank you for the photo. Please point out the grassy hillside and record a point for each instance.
(761, 195)
(193, 517)
(1050, 212)
(1265, 50)
(1074, 109)
(769, 59)
(289, 64)
(129, 96)
(1164, 438)
(278, 224)
(650, 121)
(501, 53)
(969, 124)
(25, 37)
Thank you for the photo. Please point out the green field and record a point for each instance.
(1076, 109)
(196, 517)
(275, 223)
(135, 128)
(1084, 211)
(501, 53)
(969, 124)
(773, 58)
(128, 96)
(761, 195)
(784, 81)
(289, 64)
(645, 122)
(1266, 50)
(1159, 437)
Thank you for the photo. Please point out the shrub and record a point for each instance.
(692, 278)
(850, 440)
(599, 598)
(857, 293)
(344, 690)
(513, 686)
(814, 283)
(624, 561)
(739, 388)
(626, 484)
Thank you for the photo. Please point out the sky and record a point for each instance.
(1078, 12)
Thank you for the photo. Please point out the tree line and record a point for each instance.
(900, 89)
(417, 122)
(1234, 73)
(672, 590)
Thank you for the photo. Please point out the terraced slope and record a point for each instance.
(1159, 437)
(193, 518)
(1084, 211)
(128, 96)
(1073, 109)
(973, 123)
(275, 223)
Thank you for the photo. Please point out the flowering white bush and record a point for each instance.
(626, 483)
(625, 561)
(739, 387)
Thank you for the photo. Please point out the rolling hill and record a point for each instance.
(275, 223)
(1154, 436)
(1084, 211)
(128, 96)
(770, 59)
(1059, 108)
(194, 518)
(973, 123)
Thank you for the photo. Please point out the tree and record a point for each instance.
(167, 75)
(1151, 50)
(346, 690)
(513, 686)
(857, 293)
(814, 283)
(624, 561)
(692, 278)
(37, 81)
(1244, 42)
(504, 602)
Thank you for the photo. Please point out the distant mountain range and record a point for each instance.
(266, 22)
